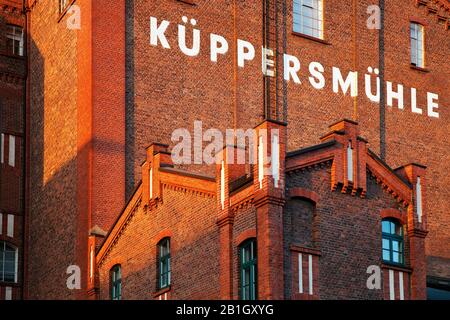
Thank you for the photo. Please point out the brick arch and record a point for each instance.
(305, 194)
(245, 235)
(395, 214)
(165, 234)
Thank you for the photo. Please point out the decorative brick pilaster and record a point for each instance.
(417, 227)
(157, 156)
(346, 133)
(269, 184)
(227, 170)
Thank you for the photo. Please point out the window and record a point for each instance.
(63, 5)
(15, 39)
(164, 263)
(417, 45)
(392, 241)
(8, 263)
(116, 283)
(308, 17)
(248, 270)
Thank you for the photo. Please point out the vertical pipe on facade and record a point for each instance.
(25, 152)
(355, 54)
(266, 39)
(382, 90)
(235, 67)
(276, 64)
(285, 101)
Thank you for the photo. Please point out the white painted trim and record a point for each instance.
(350, 162)
(419, 199)
(300, 273)
(261, 161)
(91, 268)
(276, 159)
(310, 275)
(12, 151)
(150, 183)
(222, 185)
(391, 285)
(400, 281)
(8, 293)
(10, 226)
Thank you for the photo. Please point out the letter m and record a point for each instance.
(157, 32)
(350, 82)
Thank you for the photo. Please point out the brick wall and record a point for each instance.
(53, 220)
(189, 220)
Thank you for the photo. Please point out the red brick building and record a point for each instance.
(98, 93)
(314, 233)
(12, 84)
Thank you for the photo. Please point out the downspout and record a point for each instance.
(25, 152)
(382, 89)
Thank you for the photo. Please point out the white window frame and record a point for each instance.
(417, 36)
(300, 17)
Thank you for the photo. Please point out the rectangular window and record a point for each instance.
(12, 151)
(417, 45)
(164, 263)
(248, 270)
(308, 17)
(8, 263)
(15, 40)
(116, 283)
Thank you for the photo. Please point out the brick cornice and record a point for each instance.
(417, 233)
(262, 200)
(226, 220)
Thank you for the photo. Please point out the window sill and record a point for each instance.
(425, 70)
(162, 291)
(62, 14)
(302, 35)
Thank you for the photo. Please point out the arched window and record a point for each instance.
(164, 263)
(393, 247)
(248, 270)
(116, 283)
(8, 263)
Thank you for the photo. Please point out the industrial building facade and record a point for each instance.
(87, 86)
